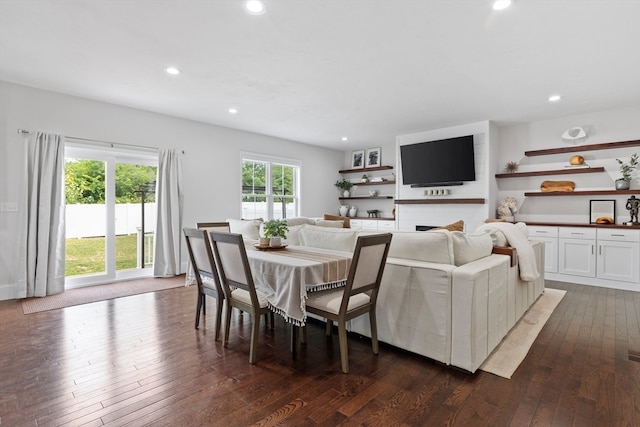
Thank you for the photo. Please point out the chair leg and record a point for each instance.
(255, 328)
(198, 308)
(374, 331)
(342, 338)
(303, 334)
(328, 327)
(219, 307)
(227, 325)
(204, 305)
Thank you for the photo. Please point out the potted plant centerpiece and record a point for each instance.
(626, 169)
(345, 186)
(276, 230)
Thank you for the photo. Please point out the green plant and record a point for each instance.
(343, 184)
(276, 228)
(365, 177)
(626, 168)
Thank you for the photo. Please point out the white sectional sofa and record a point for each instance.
(444, 294)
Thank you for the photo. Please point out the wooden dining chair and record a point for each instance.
(219, 226)
(205, 273)
(237, 284)
(358, 296)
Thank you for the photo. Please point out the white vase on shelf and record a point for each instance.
(344, 210)
(353, 211)
(346, 193)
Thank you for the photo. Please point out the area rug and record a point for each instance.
(100, 293)
(506, 358)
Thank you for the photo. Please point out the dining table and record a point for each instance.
(285, 276)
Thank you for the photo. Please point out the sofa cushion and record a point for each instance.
(249, 228)
(299, 221)
(431, 246)
(470, 247)
(339, 239)
(330, 223)
(293, 235)
(345, 219)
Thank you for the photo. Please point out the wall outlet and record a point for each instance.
(9, 207)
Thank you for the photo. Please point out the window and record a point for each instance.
(269, 187)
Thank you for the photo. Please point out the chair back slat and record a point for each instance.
(370, 262)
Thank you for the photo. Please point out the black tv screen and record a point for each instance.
(442, 162)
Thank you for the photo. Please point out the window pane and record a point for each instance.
(254, 207)
(254, 177)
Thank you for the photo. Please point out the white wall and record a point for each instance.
(602, 127)
(211, 161)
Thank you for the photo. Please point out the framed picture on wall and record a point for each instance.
(602, 211)
(357, 159)
(373, 157)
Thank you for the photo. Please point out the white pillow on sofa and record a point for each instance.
(431, 246)
(249, 228)
(470, 247)
(338, 239)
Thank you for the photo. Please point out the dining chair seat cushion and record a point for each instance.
(243, 296)
(330, 301)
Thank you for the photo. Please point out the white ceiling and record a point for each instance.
(316, 70)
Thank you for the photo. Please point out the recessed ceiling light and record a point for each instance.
(255, 7)
(554, 98)
(233, 110)
(172, 70)
(344, 138)
(501, 4)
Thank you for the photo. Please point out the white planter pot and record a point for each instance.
(275, 242)
(344, 210)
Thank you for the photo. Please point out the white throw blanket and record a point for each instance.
(517, 239)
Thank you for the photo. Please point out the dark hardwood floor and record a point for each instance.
(138, 361)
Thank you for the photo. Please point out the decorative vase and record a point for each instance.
(275, 241)
(353, 211)
(622, 184)
(346, 193)
(264, 241)
(344, 210)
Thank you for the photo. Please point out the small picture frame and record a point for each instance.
(373, 157)
(602, 211)
(357, 159)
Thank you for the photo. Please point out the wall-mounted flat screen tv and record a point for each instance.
(437, 163)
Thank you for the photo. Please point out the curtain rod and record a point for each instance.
(110, 143)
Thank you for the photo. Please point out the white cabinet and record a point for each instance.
(618, 255)
(577, 251)
(373, 224)
(549, 236)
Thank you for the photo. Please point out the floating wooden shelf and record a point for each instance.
(551, 172)
(364, 170)
(581, 193)
(478, 201)
(577, 148)
(366, 198)
(374, 183)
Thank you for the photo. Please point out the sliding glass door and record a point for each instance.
(110, 214)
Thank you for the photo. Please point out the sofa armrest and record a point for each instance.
(507, 250)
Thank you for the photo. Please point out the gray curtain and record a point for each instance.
(169, 200)
(42, 248)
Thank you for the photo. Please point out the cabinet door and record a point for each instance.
(386, 225)
(619, 261)
(549, 236)
(577, 257)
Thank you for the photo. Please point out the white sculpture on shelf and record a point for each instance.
(507, 208)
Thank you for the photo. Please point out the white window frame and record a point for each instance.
(269, 161)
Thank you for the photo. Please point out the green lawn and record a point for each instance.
(86, 256)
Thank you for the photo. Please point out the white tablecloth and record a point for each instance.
(285, 276)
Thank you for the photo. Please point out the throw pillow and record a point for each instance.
(347, 221)
(470, 247)
(327, 223)
(250, 228)
(328, 238)
(456, 226)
